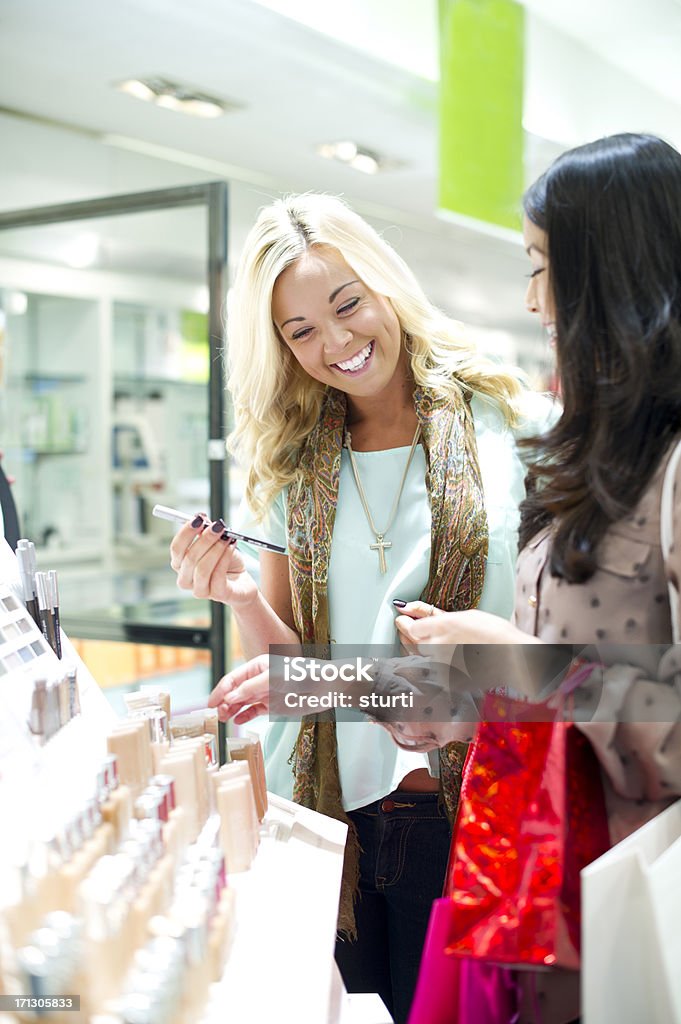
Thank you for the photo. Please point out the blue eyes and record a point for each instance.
(344, 310)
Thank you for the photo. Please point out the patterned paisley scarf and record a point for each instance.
(459, 541)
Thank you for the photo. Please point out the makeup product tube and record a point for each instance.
(174, 516)
(220, 934)
(27, 580)
(116, 807)
(131, 744)
(38, 713)
(53, 597)
(235, 802)
(64, 701)
(147, 697)
(52, 717)
(46, 613)
(248, 748)
(181, 766)
(230, 772)
(197, 747)
(74, 692)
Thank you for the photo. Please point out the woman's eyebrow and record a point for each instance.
(298, 319)
(340, 288)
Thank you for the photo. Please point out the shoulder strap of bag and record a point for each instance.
(667, 532)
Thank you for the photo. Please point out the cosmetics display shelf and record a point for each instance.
(53, 379)
(40, 781)
(286, 914)
(142, 383)
(35, 453)
(281, 968)
(162, 622)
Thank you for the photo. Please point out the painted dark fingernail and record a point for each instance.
(218, 526)
(232, 540)
(399, 604)
(198, 521)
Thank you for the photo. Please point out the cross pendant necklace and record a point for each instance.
(381, 544)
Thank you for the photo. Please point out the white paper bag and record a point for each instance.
(631, 928)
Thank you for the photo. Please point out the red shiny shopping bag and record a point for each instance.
(531, 816)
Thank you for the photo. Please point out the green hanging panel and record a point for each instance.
(481, 108)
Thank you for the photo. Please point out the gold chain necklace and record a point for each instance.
(381, 543)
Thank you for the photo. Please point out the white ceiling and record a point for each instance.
(640, 37)
(298, 86)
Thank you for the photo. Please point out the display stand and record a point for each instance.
(280, 966)
(39, 784)
(287, 906)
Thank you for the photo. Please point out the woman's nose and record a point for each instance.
(336, 338)
(531, 299)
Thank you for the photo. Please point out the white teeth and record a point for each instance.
(357, 361)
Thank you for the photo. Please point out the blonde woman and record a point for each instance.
(380, 451)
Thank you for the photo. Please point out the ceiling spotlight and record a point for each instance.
(173, 96)
(140, 90)
(365, 160)
(81, 251)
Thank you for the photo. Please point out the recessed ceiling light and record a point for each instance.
(365, 162)
(173, 96)
(81, 251)
(358, 157)
(137, 88)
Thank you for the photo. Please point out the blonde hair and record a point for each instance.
(276, 404)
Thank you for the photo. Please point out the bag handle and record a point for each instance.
(579, 671)
(667, 534)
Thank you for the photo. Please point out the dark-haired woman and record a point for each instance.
(603, 233)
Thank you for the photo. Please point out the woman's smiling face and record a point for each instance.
(340, 332)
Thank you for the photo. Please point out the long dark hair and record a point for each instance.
(611, 211)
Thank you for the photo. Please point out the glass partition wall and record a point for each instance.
(111, 399)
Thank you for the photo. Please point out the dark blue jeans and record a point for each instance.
(405, 840)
